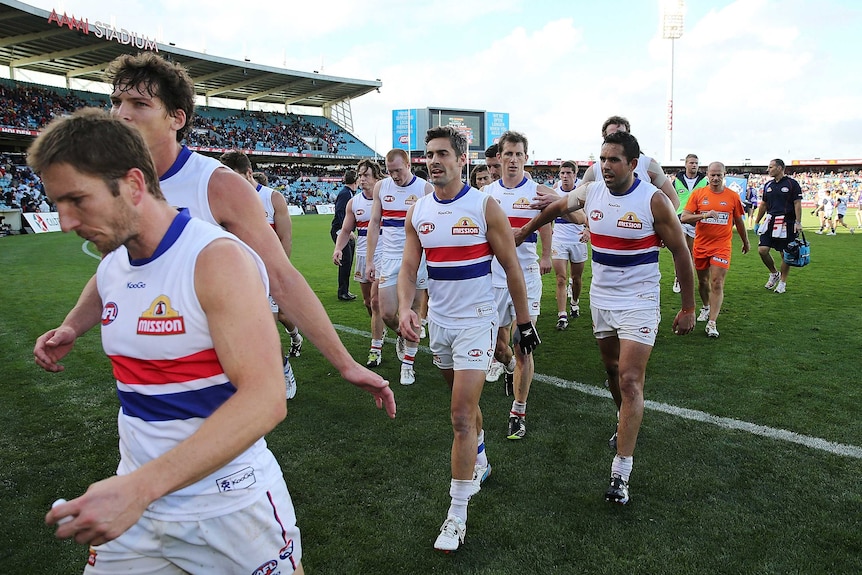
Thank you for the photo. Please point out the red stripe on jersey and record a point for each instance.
(518, 221)
(362, 224)
(132, 370)
(458, 253)
(396, 214)
(615, 243)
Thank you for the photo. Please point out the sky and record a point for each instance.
(753, 79)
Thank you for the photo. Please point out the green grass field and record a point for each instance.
(709, 495)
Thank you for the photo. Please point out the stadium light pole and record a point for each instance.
(673, 21)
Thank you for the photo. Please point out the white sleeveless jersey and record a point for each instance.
(395, 201)
(169, 379)
(362, 213)
(186, 183)
(453, 237)
(567, 232)
(516, 205)
(625, 247)
(642, 169)
(266, 197)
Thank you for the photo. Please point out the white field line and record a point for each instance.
(692, 414)
(85, 248)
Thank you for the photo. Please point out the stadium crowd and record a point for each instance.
(31, 107)
(20, 188)
(815, 184)
(249, 130)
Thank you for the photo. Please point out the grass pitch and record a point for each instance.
(371, 493)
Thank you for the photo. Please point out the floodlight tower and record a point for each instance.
(673, 21)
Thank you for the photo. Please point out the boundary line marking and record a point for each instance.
(691, 414)
(84, 248)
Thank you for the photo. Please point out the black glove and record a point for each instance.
(527, 337)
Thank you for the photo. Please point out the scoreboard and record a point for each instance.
(480, 127)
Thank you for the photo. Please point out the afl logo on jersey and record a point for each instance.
(426, 227)
(360, 212)
(388, 199)
(109, 313)
(475, 353)
(596, 215)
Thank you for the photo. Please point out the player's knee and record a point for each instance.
(631, 386)
(463, 420)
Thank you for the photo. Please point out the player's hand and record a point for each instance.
(373, 383)
(545, 265)
(336, 257)
(104, 512)
(683, 323)
(527, 337)
(370, 272)
(585, 236)
(544, 198)
(519, 235)
(746, 247)
(52, 346)
(409, 325)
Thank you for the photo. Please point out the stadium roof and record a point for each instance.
(73, 46)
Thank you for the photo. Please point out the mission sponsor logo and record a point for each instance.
(426, 227)
(630, 221)
(465, 227)
(596, 215)
(410, 200)
(161, 319)
(521, 204)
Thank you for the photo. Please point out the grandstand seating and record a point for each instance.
(31, 106)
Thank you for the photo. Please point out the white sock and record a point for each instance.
(411, 348)
(459, 491)
(519, 408)
(481, 455)
(622, 466)
(376, 344)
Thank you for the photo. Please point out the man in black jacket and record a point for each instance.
(347, 191)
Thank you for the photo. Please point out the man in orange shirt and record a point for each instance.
(713, 209)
